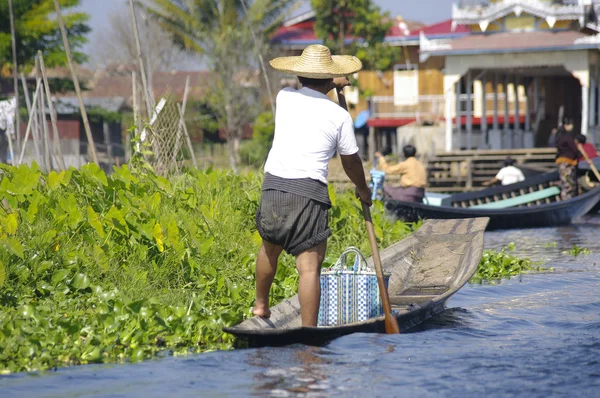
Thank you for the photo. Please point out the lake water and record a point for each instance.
(536, 335)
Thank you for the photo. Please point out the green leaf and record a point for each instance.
(53, 181)
(206, 244)
(15, 247)
(2, 274)
(157, 234)
(81, 281)
(11, 224)
(95, 173)
(59, 276)
(114, 215)
(94, 221)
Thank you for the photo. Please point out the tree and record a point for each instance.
(223, 32)
(36, 28)
(362, 20)
(116, 45)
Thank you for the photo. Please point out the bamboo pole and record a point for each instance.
(149, 104)
(40, 122)
(86, 123)
(136, 107)
(44, 123)
(55, 134)
(187, 137)
(15, 78)
(34, 132)
(33, 109)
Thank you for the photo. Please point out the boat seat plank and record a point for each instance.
(520, 200)
(402, 301)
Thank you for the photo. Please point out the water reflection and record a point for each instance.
(306, 377)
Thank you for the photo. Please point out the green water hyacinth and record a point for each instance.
(121, 267)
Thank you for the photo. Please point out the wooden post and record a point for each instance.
(33, 109)
(457, 118)
(484, 126)
(469, 111)
(506, 111)
(187, 137)
(371, 143)
(34, 132)
(107, 141)
(15, 80)
(495, 121)
(55, 134)
(448, 116)
(86, 123)
(592, 115)
(43, 132)
(585, 95)
(516, 140)
(149, 104)
(527, 107)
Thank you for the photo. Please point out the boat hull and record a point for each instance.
(426, 269)
(547, 215)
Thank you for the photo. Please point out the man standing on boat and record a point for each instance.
(293, 211)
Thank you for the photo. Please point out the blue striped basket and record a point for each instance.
(349, 294)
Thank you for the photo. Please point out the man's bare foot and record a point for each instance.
(261, 311)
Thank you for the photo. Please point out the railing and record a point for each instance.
(431, 108)
(566, 10)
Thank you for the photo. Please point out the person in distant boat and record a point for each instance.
(293, 212)
(566, 159)
(507, 175)
(589, 149)
(413, 176)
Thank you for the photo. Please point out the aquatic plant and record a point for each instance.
(502, 264)
(103, 268)
(577, 251)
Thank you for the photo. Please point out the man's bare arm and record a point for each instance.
(355, 171)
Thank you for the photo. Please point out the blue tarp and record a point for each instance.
(361, 119)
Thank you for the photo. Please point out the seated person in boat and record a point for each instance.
(589, 149)
(293, 212)
(509, 174)
(413, 177)
(566, 159)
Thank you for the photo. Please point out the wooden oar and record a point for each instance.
(391, 323)
(589, 161)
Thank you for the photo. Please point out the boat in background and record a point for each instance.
(426, 268)
(532, 203)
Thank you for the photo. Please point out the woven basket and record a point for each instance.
(349, 294)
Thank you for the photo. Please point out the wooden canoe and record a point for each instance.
(532, 203)
(426, 269)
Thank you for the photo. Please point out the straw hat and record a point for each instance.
(316, 62)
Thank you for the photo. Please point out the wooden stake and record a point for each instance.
(15, 79)
(41, 122)
(187, 137)
(33, 108)
(55, 134)
(86, 123)
(149, 104)
(34, 131)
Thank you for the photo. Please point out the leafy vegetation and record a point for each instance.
(254, 151)
(502, 264)
(577, 251)
(97, 268)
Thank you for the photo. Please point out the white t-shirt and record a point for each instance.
(309, 129)
(510, 175)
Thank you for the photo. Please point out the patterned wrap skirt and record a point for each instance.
(568, 180)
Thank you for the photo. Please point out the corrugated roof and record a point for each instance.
(70, 105)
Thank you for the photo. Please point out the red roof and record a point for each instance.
(303, 32)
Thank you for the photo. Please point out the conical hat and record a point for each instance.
(316, 62)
